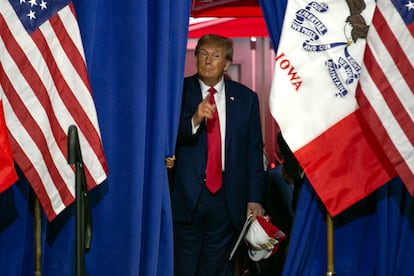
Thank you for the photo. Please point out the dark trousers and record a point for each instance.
(203, 246)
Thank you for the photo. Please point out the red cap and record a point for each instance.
(263, 238)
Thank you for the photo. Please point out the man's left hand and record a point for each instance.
(256, 209)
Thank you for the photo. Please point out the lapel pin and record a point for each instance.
(231, 98)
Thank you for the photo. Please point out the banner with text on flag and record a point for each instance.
(45, 89)
(317, 69)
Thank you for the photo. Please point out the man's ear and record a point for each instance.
(228, 63)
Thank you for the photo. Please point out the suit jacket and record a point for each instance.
(244, 172)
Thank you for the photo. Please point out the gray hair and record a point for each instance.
(226, 42)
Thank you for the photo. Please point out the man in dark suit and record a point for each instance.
(206, 223)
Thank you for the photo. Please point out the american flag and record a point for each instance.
(386, 92)
(45, 89)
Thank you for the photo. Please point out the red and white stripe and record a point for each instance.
(386, 94)
(45, 89)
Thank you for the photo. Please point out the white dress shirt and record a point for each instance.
(220, 99)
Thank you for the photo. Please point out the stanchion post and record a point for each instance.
(75, 158)
(37, 237)
(330, 246)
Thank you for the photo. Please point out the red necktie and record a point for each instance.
(214, 167)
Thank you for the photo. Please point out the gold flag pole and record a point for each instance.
(37, 238)
(330, 246)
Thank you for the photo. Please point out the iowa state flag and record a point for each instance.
(7, 173)
(317, 69)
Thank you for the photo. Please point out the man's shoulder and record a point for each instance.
(191, 81)
(238, 87)
(191, 78)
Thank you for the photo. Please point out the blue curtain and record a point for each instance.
(135, 52)
(274, 12)
(373, 237)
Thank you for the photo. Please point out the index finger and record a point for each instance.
(207, 98)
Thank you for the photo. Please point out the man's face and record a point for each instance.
(211, 63)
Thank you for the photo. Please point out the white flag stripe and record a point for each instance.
(381, 53)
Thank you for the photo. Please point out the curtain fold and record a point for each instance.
(135, 53)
